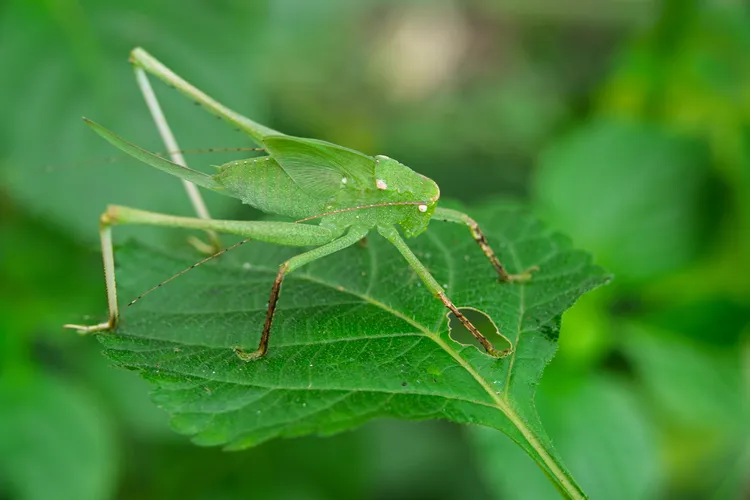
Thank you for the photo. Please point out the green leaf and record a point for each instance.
(694, 383)
(356, 336)
(55, 442)
(628, 191)
(700, 391)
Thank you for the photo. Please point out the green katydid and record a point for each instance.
(337, 196)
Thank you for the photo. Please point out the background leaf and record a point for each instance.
(698, 390)
(656, 227)
(54, 443)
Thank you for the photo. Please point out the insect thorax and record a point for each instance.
(399, 196)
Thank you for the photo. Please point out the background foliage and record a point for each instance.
(625, 124)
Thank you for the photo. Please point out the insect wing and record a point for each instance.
(263, 184)
(321, 168)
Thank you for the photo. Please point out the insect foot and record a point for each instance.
(203, 247)
(521, 277)
(101, 327)
(500, 353)
(248, 356)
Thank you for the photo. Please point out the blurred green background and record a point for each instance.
(626, 124)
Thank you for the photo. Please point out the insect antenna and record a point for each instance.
(190, 268)
(362, 207)
(106, 160)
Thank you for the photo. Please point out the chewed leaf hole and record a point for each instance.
(482, 322)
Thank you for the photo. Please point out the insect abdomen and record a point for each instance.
(263, 184)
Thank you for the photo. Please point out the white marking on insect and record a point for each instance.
(344, 180)
(422, 208)
(380, 183)
(383, 157)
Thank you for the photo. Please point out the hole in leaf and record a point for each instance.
(482, 322)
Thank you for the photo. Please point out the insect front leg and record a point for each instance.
(391, 234)
(448, 215)
(173, 148)
(281, 233)
(353, 236)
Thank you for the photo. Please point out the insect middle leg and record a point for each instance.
(354, 235)
(448, 215)
(281, 233)
(391, 234)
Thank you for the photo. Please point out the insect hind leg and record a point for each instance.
(142, 59)
(196, 199)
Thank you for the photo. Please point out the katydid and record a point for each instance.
(337, 196)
